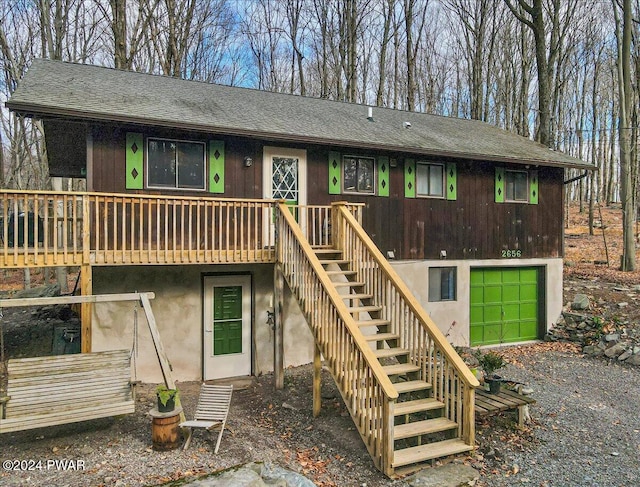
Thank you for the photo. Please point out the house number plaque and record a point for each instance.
(511, 254)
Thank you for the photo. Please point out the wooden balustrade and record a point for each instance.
(179, 230)
(440, 365)
(43, 228)
(365, 388)
(40, 228)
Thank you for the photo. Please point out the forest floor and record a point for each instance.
(277, 426)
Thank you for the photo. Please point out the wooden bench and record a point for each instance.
(48, 391)
(506, 400)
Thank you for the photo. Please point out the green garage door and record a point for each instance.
(504, 305)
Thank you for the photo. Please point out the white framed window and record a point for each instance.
(442, 284)
(176, 164)
(358, 175)
(516, 186)
(430, 180)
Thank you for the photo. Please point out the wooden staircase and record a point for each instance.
(420, 432)
(410, 395)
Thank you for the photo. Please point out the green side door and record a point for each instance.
(504, 305)
(227, 320)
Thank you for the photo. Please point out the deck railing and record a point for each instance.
(452, 381)
(315, 221)
(364, 386)
(43, 228)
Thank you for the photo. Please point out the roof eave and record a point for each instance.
(36, 111)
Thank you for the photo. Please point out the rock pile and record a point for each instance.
(589, 332)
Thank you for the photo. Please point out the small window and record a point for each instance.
(442, 284)
(175, 164)
(358, 175)
(516, 186)
(430, 180)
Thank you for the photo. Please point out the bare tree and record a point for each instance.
(623, 37)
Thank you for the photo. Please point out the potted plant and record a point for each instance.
(490, 362)
(166, 398)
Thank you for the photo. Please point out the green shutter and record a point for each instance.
(134, 161)
(409, 178)
(335, 172)
(452, 181)
(216, 166)
(499, 184)
(533, 187)
(383, 176)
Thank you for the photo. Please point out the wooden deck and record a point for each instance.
(506, 400)
(48, 229)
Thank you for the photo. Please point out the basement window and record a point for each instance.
(442, 284)
(175, 164)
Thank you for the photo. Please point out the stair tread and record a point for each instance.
(374, 322)
(326, 250)
(341, 272)
(399, 369)
(334, 261)
(416, 406)
(356, 296)
(429, 451)
(411, 386)
(348, 284)
(417, 428)
(390, 352)
(364, 309)
(381, 336)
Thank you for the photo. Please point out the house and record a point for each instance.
(213, 196)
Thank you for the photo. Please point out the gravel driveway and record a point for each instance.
(586, 429)
(586, 432)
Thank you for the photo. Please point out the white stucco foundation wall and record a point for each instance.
(178, 310)
(452, 317)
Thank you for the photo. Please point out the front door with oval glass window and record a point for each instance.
(227, 326)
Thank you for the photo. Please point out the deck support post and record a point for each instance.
(86, 287)
(317, 381)
(278, 331)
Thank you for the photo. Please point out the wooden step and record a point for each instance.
(353, 284)
(429, 451)
(341, 272)
(325, 250)
(416, 406)
(411, 386)
(426, 427)
(364, 309)
(400, 369)
(375, 322)
(334, 261)
(390, 352)
(380, 337)
(356, 296)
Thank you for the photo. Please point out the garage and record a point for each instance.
(504, 305)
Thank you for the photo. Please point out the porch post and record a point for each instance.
(86, 287)
(317, 382)
(278, 342)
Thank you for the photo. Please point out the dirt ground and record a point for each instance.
(270, 425)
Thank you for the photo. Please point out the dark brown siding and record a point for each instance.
(472, 227)
(109, 162)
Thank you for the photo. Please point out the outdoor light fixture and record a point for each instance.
(248, 162)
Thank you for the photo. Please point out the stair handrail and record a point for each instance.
(337, 301)
(365, 388)
(411, 301)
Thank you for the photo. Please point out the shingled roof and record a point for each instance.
(85, 92)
